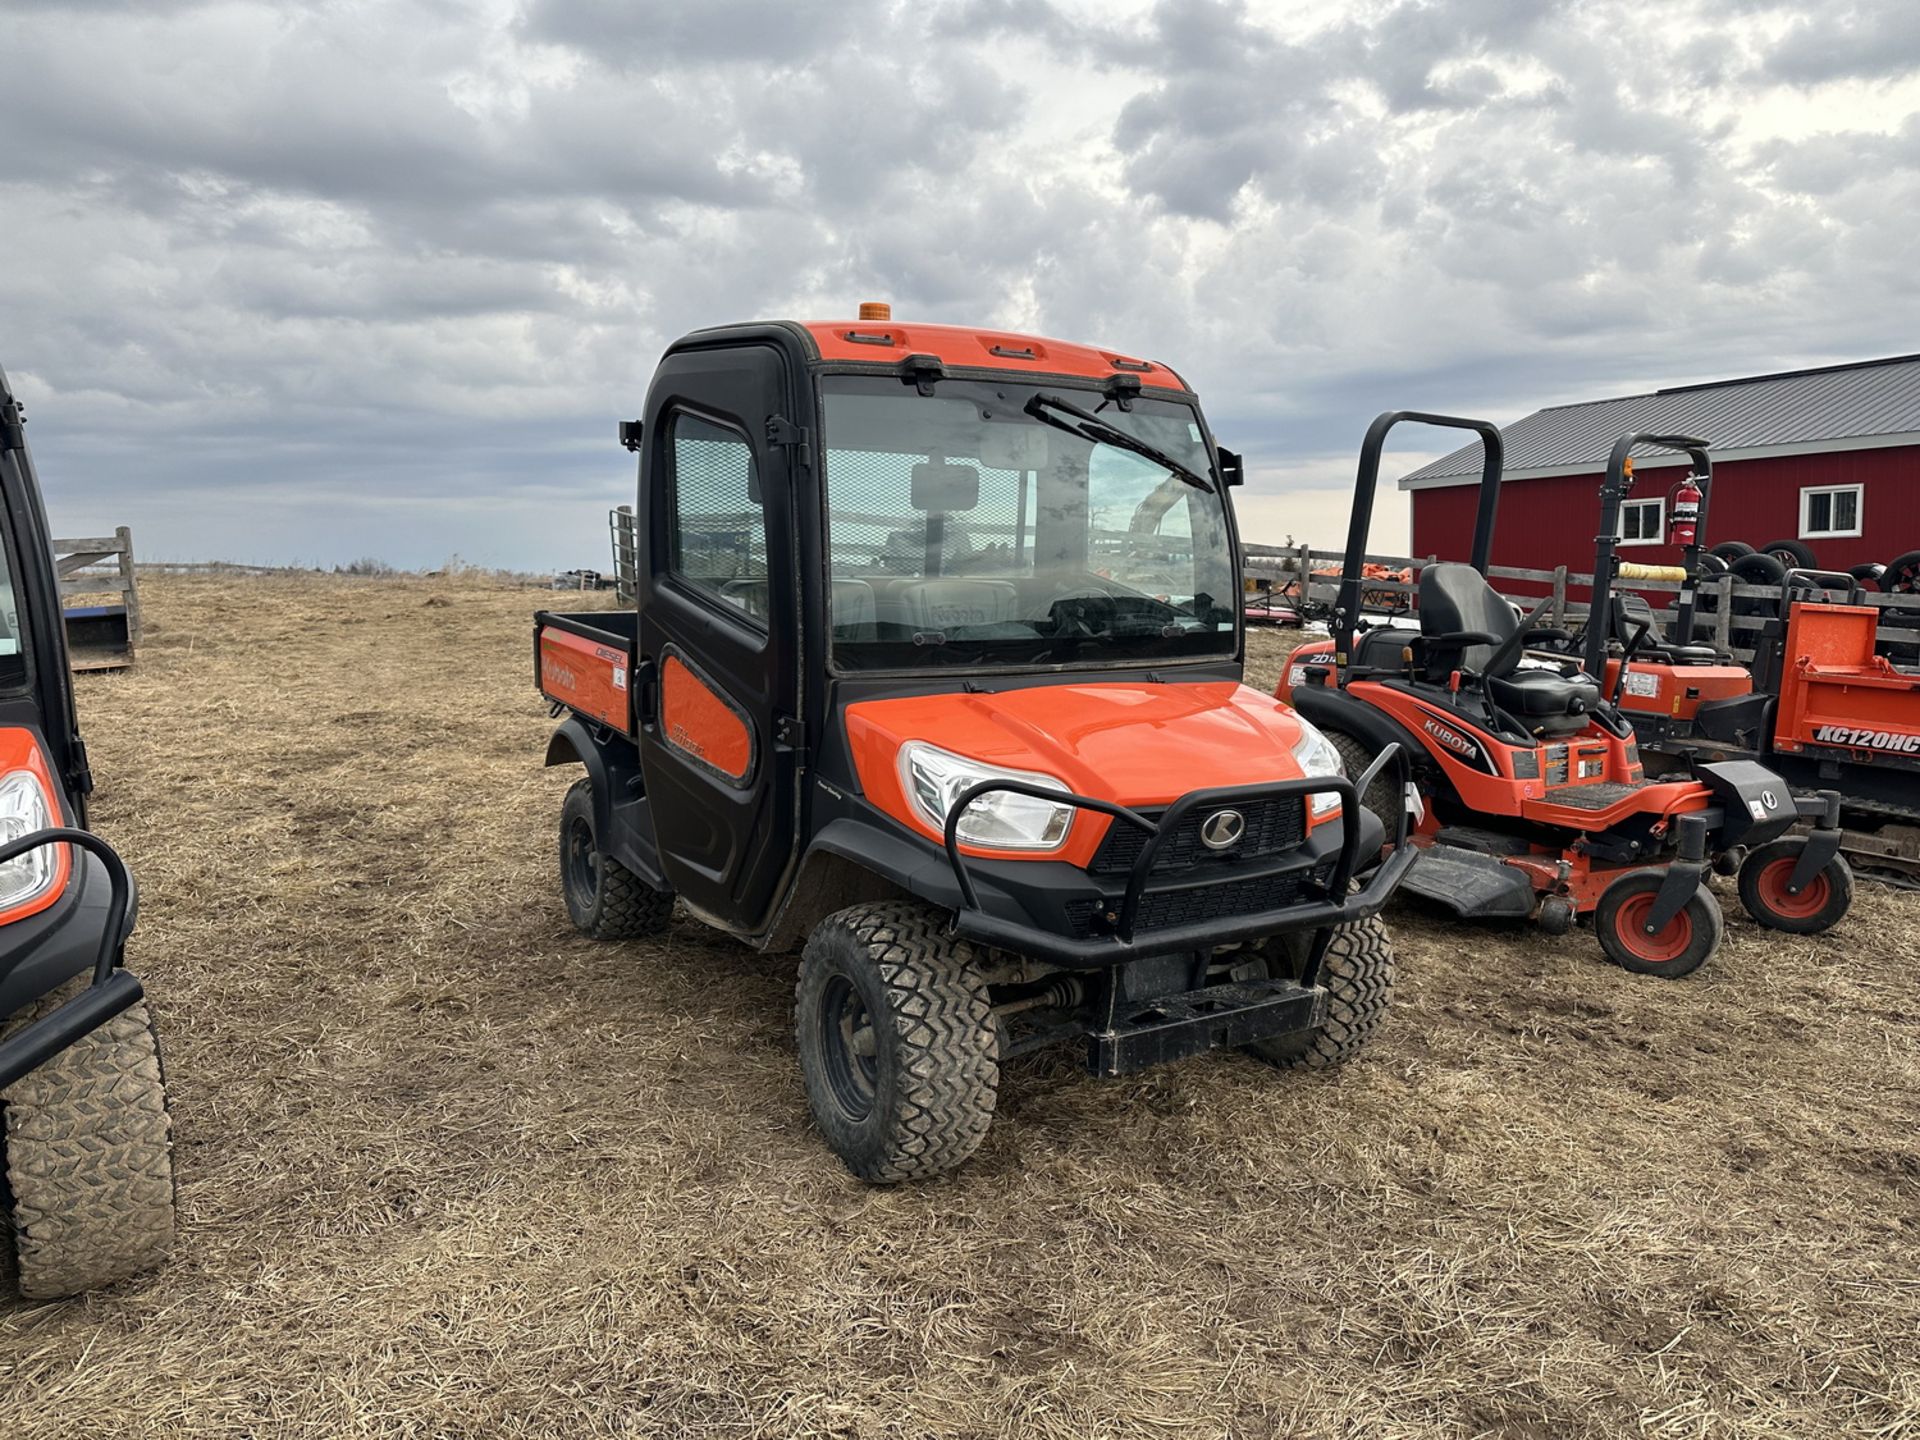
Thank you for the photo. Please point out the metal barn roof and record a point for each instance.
(1864, 405)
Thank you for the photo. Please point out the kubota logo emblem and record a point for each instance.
(1769, 799)
(1222, 829)
(1452, 739)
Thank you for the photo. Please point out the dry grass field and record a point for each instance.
(447, 1169)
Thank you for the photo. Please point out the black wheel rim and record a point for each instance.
(849, 1046)
(583, 864)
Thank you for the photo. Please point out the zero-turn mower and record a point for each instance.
(1532, 797)
(936, 668)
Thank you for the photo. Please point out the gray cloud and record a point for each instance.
(328, 279)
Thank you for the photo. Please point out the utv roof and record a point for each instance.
(970, 348)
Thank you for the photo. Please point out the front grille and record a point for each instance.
(1163, 909)
(1273, 826)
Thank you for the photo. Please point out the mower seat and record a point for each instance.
(1456, 598)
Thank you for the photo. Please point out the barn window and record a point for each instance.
(1830, 510)
(1642, 522)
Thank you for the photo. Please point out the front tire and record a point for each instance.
(1357, 973)
(1763, 890)
(899, 1047)
(1680, 947)
(605, 900)
(88, 1158)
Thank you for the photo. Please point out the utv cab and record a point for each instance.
(87, 1178)
(936, 667)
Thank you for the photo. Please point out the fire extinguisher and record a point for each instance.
(1684, 509)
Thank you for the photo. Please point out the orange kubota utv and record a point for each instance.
(936, 667)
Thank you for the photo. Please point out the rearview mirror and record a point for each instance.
(1013, 447)
(945, 487)
(1233, 468)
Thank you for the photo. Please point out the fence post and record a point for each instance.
(1723, 617)
(1559, 597)
(124, 534)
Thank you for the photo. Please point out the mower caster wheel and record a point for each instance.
(899, 1047)
(1680, 947)
(605, 900)
(86, 1161)
(1763, 890)
(1357, 974)
(1555, 915)
(1728, 862)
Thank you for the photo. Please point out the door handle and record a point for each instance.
(646, 693)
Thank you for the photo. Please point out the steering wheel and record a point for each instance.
(1511, 646)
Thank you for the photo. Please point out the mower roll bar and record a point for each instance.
(1346, 612)
(973, 921)
(1606, 561)
(112, 990)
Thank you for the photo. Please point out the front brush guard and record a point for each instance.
(1124, 943)
(113, 989)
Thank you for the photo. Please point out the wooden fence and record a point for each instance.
(104, 629)
(1299, 575)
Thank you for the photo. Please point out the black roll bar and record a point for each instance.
(1346, 612)
(1606, 560)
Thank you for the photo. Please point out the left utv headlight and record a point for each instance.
(1317, 757)
(999, 820)
(23, 810)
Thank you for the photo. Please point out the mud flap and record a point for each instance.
(1471, 884)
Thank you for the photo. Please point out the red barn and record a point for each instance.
(1828, 457)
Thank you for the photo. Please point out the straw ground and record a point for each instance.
(448, 1170)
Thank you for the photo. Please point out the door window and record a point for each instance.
(716, 528)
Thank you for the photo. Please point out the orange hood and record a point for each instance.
(1134, 744)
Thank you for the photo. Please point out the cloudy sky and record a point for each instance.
(338, 278)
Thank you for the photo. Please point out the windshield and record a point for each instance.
(986, 525)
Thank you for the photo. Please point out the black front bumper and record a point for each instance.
(1030, 907)
(85, 928)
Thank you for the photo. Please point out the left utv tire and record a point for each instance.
(1357, 973)
(88, 1159)
(605, 900)
(899, 1047)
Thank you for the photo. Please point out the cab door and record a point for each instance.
(717, 664)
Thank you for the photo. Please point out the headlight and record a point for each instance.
(1318, 757)
(23, 810)
(934, 779)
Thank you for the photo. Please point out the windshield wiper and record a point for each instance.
(1092, 427)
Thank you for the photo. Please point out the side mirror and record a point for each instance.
(1233, 469)
(630, 434)
(945, 488)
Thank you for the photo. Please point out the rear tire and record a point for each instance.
(605, 900)
(899, 1046)
(1357, 973)
(1763, 890)
(1683, 946)
(88, 1158)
